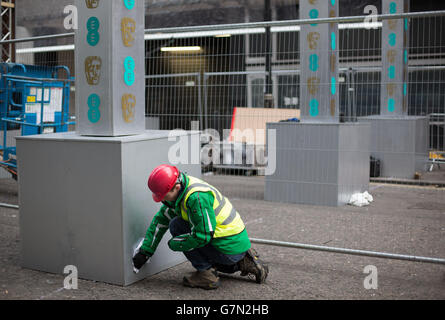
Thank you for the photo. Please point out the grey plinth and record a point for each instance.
(401, 144)
(319, 164)
(84, 202)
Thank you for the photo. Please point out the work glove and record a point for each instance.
(140, 259)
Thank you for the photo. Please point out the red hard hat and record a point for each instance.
(162, 180)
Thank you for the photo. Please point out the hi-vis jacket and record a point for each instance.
(211, 216)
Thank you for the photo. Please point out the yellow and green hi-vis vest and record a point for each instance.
(228, 220)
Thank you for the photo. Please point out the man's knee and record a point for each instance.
(178, 226)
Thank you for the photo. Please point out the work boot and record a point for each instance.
(206, 279)
(250, 264)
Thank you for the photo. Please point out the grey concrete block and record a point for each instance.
(322, 164)
(400, 143)
(84, 201)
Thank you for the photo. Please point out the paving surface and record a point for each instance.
(402, 219)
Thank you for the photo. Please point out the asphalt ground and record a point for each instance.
(402, 219)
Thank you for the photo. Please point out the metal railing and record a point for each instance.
(354, 252)
(230, 71)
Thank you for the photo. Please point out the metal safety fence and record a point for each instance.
(243, 82)
(240, 76)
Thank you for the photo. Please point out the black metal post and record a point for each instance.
(268, 94)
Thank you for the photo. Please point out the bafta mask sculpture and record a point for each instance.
(332, 107)
(391, 88)
(312, 40)
(332, 15)
(128, 107)
(128, 27)
(93, 67)
(333, 62)
(391, 56)
(313, 84)
(392, 24)
(92, 4)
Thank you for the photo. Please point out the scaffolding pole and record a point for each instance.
(7, 29)
(374, 254)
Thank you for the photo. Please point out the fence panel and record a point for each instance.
(204, 74)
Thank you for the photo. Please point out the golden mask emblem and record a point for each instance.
(333, 62)
(128, 107)
(128, 27)
(92, 4)
(333, 107)
(312, 1)
(93, 67)
(312, 39)
(405, 72)
(392, 56)
(392, 24)
(332, 15)
(390, 88)
(313, 84)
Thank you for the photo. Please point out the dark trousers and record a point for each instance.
(208, 256)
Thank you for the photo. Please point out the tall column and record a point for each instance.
(320, 160)
(319, 100)
(395, 42)
(110, 67)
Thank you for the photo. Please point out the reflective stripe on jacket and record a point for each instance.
(228, 220)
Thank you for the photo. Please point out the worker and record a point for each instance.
(205, 227)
